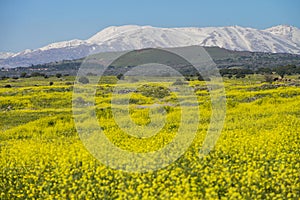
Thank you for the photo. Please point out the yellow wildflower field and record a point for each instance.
(256, 156)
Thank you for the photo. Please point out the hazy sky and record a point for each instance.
(30, 24)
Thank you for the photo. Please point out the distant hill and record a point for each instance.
(222, 57)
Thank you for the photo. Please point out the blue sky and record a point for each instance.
(32, 24)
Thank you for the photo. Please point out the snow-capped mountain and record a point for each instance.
(286, 31)
(278, 39)
(233, 38)
(4, 55)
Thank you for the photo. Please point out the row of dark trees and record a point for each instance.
(241, 73)
(34, 74)
(282, 71)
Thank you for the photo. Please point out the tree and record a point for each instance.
(269, 78)
(240, 75)
(281, 71)
(23, 75)
(120, 76)
(264, 70)
(83, 80)
(35, 74)
(287, 70)
(239, 72)
(4, 77)
(91, 74)
(58, 75)
(200, 78)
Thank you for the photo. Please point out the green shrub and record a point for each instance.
(83, 80)
(154, 91)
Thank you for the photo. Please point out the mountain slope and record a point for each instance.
(278, 39)
(4, 55)
(288, 32)
(233, 38)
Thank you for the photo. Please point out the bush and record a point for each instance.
(4, 77)
(83, 80)
(268, 78)
(287, 70)
(120, 76)
(35, 74)
(23, 75)
(200, 78)
(91, 74)
(58, 75)
(154, 91)
(264, 71)
(179, 82)
(69, 83)
(240, 76)
(239, 72)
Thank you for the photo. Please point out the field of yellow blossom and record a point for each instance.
(256, 156)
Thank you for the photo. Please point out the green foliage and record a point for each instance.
(154, 91)
(58, 75)
(239, 72)
(269, 78)
(120, 76)
(35, 74)
(108, 80)
(23, 74)
(240, 76)
(264, 70)
(83, 80)
(287, 70)
(179, 82)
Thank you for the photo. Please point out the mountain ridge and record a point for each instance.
(276, 39)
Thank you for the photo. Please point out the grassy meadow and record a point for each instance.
(256, 156)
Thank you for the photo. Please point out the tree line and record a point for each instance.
(282, 71)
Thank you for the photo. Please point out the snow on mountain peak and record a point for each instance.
(281, 29)
(112, 31)
(289, 32)
(277, 39)
(230, 37)
(22, 53)
(4, 55)
(63, 44)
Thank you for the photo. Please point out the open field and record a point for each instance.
(256, 156)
